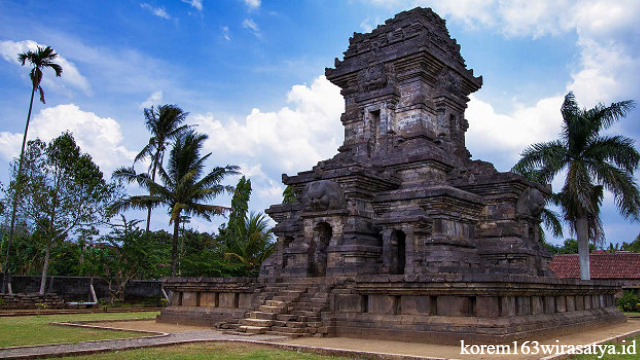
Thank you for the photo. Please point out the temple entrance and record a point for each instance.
(398, 252)
(322, 234)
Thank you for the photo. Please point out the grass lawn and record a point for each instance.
(618, 350)
(209, 351)
(35, 330)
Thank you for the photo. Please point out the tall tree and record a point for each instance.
(165, 124)
(127, 253)
(62, 190)
(593, 163)
(39, 60)
(185, 188)
(239, 209)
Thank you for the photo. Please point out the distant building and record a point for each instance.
(621, 266)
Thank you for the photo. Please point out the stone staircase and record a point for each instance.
(291, 309)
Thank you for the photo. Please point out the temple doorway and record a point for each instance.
(398, 253)
(322, 234)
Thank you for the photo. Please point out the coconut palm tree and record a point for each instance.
(593, 163)
(39, 60)
(185, 186)
(165, 125)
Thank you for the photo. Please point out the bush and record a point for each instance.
(629, 301)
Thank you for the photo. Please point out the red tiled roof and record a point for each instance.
(602, 266)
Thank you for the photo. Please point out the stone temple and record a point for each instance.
(401, 235)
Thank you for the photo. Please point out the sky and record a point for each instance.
(251, 75)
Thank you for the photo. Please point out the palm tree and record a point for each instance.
(165, 125)
(186, 186)
(593, 163)
(39, 60)
(251, 243)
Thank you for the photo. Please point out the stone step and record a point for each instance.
(278, 323)
(291, 292)
(294, 330)
(296, 324)
(274, 303)
(253, 329)
(286, 317)
(262, 315)
(271, 309)
(229, 332)
(286, 298)
(256, 322)
(317, 301)
(229, 326)
(306, 313)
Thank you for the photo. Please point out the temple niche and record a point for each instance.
(401, 235)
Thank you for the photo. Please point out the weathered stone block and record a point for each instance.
(189, 299)
(523, 305)
(349, 303)
(228, 300)
(488, 306)
(244, 300)
(550, 304)
(416, 305)
(453, 306)
(561, 304)
(381, 304)
(208, 299)
(537, 306)
(508, 306)
(571, 303)
(176, 298)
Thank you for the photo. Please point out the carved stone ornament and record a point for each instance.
(449, 81)
(376, 77)
(531, 203)
(323, 195)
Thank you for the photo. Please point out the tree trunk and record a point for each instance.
(582, 231)
(5, 271)
(174, 250)
(45, 268)
(153, 178)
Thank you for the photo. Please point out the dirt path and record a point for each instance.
(329, 346)
(148, 325)
(454, 352)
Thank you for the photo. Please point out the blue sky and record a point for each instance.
(250, 73)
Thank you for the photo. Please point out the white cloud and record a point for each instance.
(252, 4)
(502, 137)
(367, 25)
(197, 4)
(154, 99)
(159, 12)
(225, 33)
(289, 140)
(100, 137)
(9, 51)
(252, 26)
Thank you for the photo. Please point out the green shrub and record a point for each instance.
(629, 301)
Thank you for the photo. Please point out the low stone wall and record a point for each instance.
(478, 309)
(76, 288)
(206, 301)
(31, 301)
